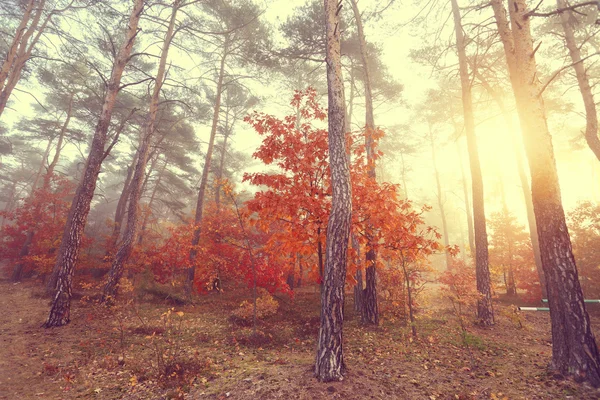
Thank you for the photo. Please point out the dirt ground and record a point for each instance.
(153, 348)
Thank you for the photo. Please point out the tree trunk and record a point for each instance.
(120, 211)
(467, 203)
(205, 171)
(574, 350)
(139, 173)
(358, 288)
(440, 200)
(533, 232)
(371, 309)
(484, 305)
(80, 206)
(329, 363)
(21, 48)
(591, 116)
(150, 202)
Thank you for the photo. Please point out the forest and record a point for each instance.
(309, 199)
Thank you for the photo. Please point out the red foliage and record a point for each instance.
(44, 215)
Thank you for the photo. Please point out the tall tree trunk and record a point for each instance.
(371, 309)
(468, 208)
(80, 206)
(222, 163)
(533, 232)
(358, 288)
(484, 304)
(39, 174)
(205, 171)
(574, 350)
(150, 202)
(591, 116)
(18, 269)
(440, 200)
(139, 173)
(329, 363)
(120, 210)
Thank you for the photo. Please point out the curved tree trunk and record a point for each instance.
(205, 171)
(139, 173)
(329, 363)
(574, 349)
(60, 313)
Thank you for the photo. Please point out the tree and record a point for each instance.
(240, 37)
(80, 206)
(484, 306)
(511, 255)
(574, 350)
(329, 365)
(139, 172)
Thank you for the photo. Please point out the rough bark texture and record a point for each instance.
(80, 207)
(205, 172)
(574, 350)
(370, 313)
(139, 173)
(485, 312)
(329, 364)
(591, 116)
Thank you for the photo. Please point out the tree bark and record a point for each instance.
(205, 171)
(485, 312)
(80, 206)
(370, 313)
(139, 173)
(329, 364)
(574, 350)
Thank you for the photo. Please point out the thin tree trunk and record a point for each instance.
(468, 208)
(80, 207)
(205, 171)
(329, 363)
(574, 349)
(440, 200)
(120, 210)
(139, 173)
(371, 309)
(18, 269)
(484, 304)
(358, 288)
(150, 202)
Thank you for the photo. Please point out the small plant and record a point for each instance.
(266, 306)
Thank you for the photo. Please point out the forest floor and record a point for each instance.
(116, 353)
